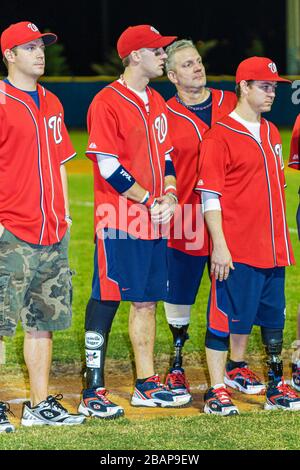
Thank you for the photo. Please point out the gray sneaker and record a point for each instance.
(49, 412)
(5, 425)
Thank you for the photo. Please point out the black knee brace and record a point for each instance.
(99, 314)
(98, 319)
(218, 343)
(272, 340)
(180, 336)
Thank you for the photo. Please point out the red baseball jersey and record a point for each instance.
(187, 131)
(249, 177)
(119, 126)
(34, 143)
(294, 161)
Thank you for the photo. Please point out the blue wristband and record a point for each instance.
(121, 180)
(169, 168)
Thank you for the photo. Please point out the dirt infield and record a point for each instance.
(14, 388)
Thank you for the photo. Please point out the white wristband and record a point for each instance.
(145, 198)
(212, 205)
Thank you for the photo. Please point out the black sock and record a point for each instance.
(141, 381)
(234, 365)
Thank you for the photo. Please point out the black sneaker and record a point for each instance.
(281, 397)
(5, 425)
(176, 381)
(244, 380)
(49, 412)
(152, 393)
(95, 403)
(218, 402)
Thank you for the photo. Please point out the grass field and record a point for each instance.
(261, 430)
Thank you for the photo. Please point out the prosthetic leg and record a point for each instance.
(279, 394)
(178, 317)
(180, 336)
(272, 340)
(176, 379)
(98, 321)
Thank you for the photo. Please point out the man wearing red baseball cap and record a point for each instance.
(23, 32)
(259, 69)
(294, 163)
(134, 176)
(34, 219)
(142, 36)
(241, 165)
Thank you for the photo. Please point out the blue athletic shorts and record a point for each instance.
(185, 273)
(127, 268)
(250, 296)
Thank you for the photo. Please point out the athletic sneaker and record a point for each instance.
(296, 376)
(152, 393)
(282, 397)
(5, 425)
(244, 380)
(218, 402)
(177, 381)
(49, 412)
(94, 403)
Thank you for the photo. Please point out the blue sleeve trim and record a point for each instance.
(170, 169)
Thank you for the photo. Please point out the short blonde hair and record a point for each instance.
(174, 47)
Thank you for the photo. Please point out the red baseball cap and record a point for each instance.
(137, 37)
(258, 68)
(23, 32)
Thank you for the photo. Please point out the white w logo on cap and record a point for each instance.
(32, 27)
(272, 67)
(154, 30)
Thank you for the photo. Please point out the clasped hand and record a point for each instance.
(164, 210)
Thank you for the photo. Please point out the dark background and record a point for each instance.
(90, 30)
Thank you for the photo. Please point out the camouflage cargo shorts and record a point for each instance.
(35, 285)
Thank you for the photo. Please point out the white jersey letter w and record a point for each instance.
(54, 123)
